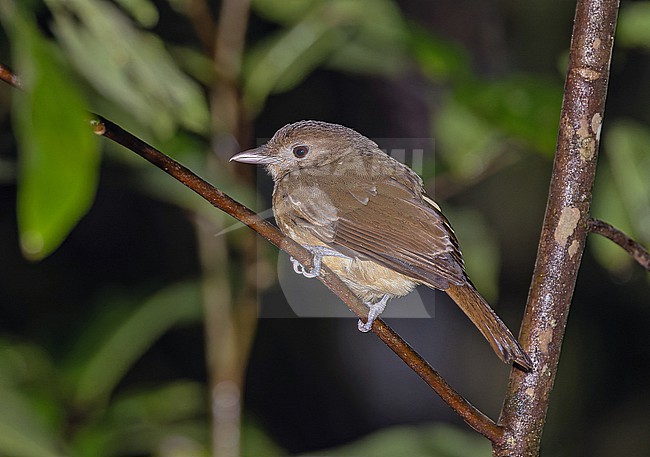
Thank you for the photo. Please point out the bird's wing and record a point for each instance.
(382, 220)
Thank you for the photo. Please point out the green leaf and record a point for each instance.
(129, 66)
(22, 432)
(138, 422)
(348, 35)
(439, 59)
(376, 37)
(634, 25)
(58, 153)
(431, 441)
(466, 141)
(142, 11)
(162, 404)
(283, 11)
(257, 443)
(523, 107)
(111, 346)
(282, 61)
(29, 414)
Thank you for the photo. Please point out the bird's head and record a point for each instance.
(306, 144)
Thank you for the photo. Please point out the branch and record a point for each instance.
(228, 111)
(9, 77)
(470, 414)
(226, 47)
(636, 250)
(564, 228)
(199, 14)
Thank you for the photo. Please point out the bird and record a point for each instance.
(368, 218)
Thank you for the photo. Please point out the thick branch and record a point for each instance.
(475, 418)
(564, 229)
(636, 250)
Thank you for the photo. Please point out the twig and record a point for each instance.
(564, 228)
(240, 320)
(228, 111)
(635, 249)
(199, 14)
(475, 418)
(9, 77)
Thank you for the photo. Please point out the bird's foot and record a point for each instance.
(374, 310)
(300, 269)
(318, 252)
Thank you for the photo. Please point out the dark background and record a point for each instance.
(312, 384)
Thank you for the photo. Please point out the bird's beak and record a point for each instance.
(258, 156)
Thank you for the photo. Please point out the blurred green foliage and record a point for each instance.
(522, 107)
(59, 162)
(118, 58)
(431, 441)
(135, 72)
(348, 35)
(622, 196)
(632, 30)
(41, 398)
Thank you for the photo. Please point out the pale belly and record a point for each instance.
(369, 280)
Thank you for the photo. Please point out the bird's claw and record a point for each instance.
(364, 327)
(300, 268)
(374, 310)
(318, 252)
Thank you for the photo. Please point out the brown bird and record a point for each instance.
(367, 217)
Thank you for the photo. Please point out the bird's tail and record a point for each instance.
(493, 329)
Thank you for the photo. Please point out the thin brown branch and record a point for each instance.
(564, 228)
(635, 249)
(202, 19)
(228, 40)
(475, 418)
(229, 326)
(226, 102)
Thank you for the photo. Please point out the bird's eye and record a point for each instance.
(300, 151)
